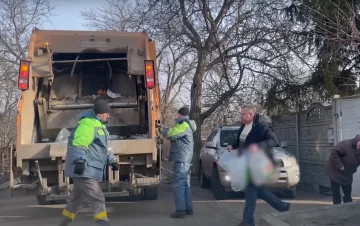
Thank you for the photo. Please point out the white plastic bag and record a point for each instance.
(238, 172)
(262, 170)
(225, 157)
(236, 167)
(63, 136)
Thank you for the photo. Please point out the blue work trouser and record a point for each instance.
(252, 192)
(181, 185)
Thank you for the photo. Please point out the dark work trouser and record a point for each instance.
(182, 188)
(336, 195)
(86, 191)
(252, 192)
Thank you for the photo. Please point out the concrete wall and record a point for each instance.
(307, 135)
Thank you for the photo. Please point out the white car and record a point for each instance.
(216, 178)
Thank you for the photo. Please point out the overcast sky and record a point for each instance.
(68, 14)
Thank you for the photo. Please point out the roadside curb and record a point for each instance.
(316, 213)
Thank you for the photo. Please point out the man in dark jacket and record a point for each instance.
(343, 162)
(256, 134)
(181, 153)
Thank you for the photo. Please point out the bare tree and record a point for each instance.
(18, 18)
(331, 28)
(340, 24)
(8, 105)
(242, 38)
(176, 65)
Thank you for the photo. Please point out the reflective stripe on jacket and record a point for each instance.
(88, 143)
(182, 140)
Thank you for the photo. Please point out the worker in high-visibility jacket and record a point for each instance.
(86, 158)
(181, 153)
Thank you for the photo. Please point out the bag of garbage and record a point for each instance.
(63, 136)
(225, 157)
(239, 172)
(262, 170)
(237, 169)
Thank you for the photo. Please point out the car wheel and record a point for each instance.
(290, 193)
(217, 188)
(150, 193)
(204, 181)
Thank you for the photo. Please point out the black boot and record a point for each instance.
(189, 212)
(178, 214)
(242, 224)
(286, 207)
(347, 199)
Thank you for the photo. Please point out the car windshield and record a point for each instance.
(228, 137)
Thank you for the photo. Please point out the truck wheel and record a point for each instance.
(217, 188)
(290, 193)
(135, 194)
(204, 181)
(41, 200)
(150, 193)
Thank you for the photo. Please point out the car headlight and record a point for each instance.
(290, 162)
(227, 178)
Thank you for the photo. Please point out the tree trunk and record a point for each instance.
(197, 148)
(195, 113)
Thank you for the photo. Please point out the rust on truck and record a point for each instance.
(65, 71)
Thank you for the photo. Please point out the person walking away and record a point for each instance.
(342, 163)
(181, 153)
(255, 134)
(86, 158)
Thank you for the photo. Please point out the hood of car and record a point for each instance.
(281, 153)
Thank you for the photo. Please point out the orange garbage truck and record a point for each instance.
(64, 72)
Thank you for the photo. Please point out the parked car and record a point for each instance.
(214, 177)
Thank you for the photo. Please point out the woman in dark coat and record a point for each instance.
(343, 162)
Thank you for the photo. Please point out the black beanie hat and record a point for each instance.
(101, 107)
(184, 111)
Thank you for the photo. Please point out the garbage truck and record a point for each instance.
(63, 74)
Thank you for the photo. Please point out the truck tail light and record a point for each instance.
(149, 74)
(24, 71)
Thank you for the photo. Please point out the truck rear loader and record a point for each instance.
(64, 73)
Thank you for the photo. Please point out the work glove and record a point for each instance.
(79, 168)
(115, 166)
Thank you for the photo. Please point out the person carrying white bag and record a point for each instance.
(254, 135)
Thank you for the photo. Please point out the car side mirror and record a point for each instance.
(284, 144)
(211, 145)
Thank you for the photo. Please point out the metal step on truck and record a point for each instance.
(65, 71)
